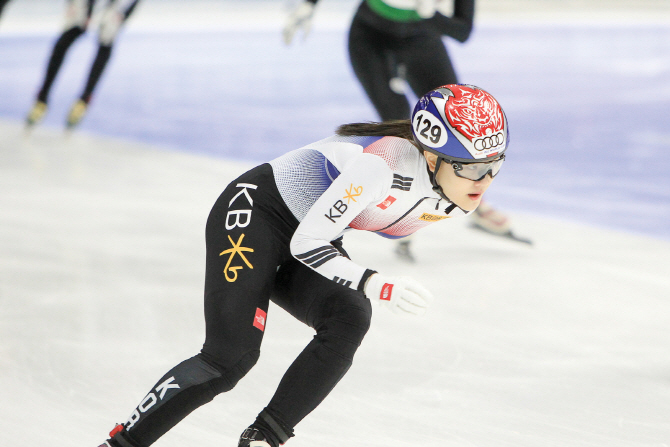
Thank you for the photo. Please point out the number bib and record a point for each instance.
(429, 130)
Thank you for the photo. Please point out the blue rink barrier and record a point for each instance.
(587, 106)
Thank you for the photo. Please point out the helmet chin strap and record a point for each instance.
(436, 187)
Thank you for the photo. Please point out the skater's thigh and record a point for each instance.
(78, 13)
(112, 19)
(373, 61)
(242, 257)
(428, 63)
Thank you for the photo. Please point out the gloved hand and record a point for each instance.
(300, 17)
(401, 294)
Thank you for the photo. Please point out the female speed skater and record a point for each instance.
(276, 233)
(78, 16)
(396, 45)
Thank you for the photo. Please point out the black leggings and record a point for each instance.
(249, 263)
(62, 45)
(375, 56)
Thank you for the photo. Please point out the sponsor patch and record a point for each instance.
(352, 193)
(237, 249)
(150, 400)
(432, 217)
(336, 211)
(387, 289)
(259, 319)
(387, 202)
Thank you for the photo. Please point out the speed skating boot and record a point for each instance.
(36, 113)
(487, 219)
(77, 113)
(252, 437)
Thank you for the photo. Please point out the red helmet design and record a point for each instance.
(475, 114)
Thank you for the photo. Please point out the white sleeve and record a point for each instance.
(365, 180)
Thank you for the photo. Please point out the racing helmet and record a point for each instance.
(461, 123)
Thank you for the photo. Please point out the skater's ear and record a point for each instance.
(431, 159)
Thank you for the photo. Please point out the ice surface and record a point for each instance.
(101, 272)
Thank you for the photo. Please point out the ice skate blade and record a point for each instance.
(505, 235)
(404, 253)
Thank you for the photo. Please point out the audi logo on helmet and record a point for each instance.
(489, 142)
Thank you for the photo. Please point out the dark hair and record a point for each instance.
(391, 128)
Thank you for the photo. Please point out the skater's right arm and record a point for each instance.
(365, 180)
(459, 25)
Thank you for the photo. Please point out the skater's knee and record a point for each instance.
(357, 317)
(346, 327)
(230, 373)
(69, 36)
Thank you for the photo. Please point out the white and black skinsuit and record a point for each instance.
(275, 234)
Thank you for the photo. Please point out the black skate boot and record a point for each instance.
(266, 431)
(116, 438)
(252, 437)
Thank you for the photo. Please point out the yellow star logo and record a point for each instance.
(352, 193)
(237, 249)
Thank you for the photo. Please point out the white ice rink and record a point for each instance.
(562, 344)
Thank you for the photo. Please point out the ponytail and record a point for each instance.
(391, 128)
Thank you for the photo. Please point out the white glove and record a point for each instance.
(300, 17)
(401, 294)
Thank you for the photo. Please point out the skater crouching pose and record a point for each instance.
(275, 233)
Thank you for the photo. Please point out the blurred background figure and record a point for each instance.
(2, 5)
(77, 19)
(396, 49)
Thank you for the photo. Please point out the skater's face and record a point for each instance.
(466, 194)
